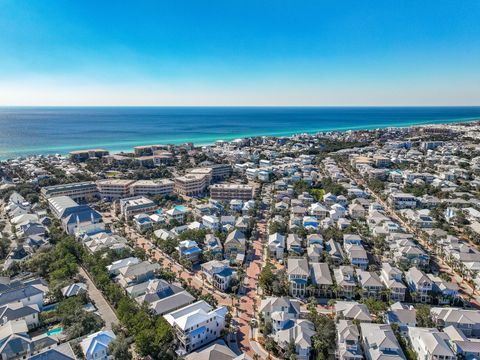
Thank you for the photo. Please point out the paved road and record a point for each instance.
(245, 313)
(104, 309)
(155, 254)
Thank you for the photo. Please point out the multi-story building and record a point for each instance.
(403, 315)
(218, 273)
(279, 311)
(162, 158)
(79, 191)
(114, 189)
(298, 273)
(161, 187)
(430, 344)
(371, 284)
(148, 150)
(276, 245)
(357, 255)
(402, 201)
(227, 192)
(220, 171)
(419, 284)
(352, 310)
(348, 341)
(191, 184)
(75, 219)
(381, 161)
(321, 279)
(345, 280)
(26, 293)
(196, 325)
(188, 249)
(137, 273)
(205, 171)
(446, 291)
(95, 346)
(235, 245)
(82, 155)
(392, 278)
(444, 317)
(136, 205)
(380, 342)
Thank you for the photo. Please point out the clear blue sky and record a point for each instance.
(226, 52)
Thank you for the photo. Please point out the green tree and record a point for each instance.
(423, 316)
(324, 338)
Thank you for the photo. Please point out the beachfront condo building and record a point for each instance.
(83, 155)
(80, 191)
(114, 189)
(162, 158)
(191, 184)
(227, 192)
(148, 150)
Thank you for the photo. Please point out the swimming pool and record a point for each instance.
(50, 307)
(55, 331)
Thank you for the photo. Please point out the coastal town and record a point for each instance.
(349, 245)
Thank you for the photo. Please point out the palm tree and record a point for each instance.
(311, 289)
(387, 293)
(337, 289)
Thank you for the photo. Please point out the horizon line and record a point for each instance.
(237, 106)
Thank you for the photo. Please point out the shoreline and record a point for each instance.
(114, 148)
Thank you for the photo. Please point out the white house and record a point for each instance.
(430, 344)
(95, 346)
(379, 342)
(196, 325)
(276, 245)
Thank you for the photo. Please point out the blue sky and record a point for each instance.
(350, 52)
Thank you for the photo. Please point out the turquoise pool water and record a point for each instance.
(55, 331)
(181, 208)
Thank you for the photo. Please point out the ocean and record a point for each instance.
(50, 130)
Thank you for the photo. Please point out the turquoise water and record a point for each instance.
(47, 130)
(181, 208)
(55, 331)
